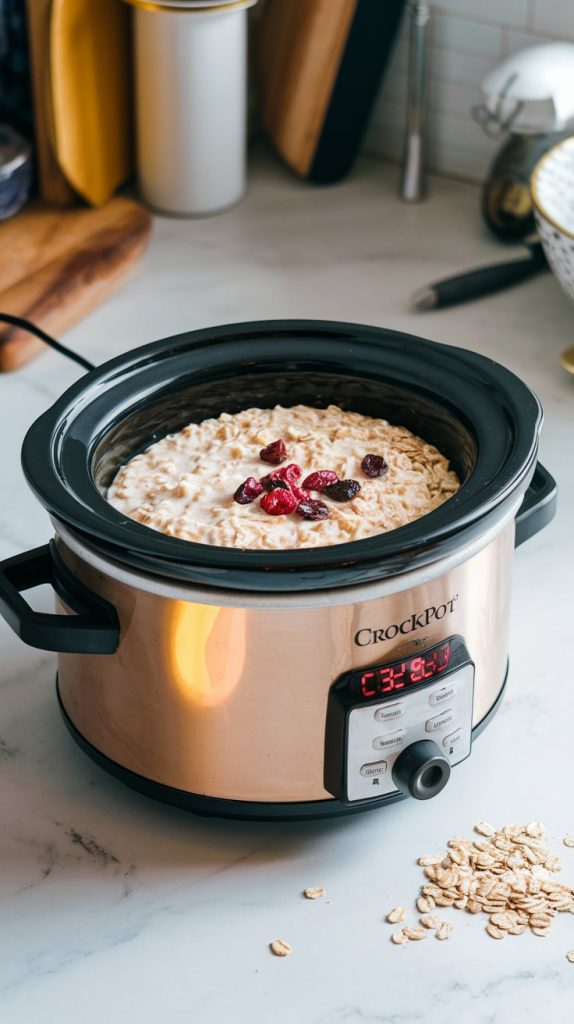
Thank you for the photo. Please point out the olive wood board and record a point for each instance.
(59, 264)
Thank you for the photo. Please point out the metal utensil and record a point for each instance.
(413, 178)
(483, 281)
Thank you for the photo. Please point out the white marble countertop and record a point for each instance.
(117, 909)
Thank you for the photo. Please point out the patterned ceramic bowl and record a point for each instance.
(553, 198)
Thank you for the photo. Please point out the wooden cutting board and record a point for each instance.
(80, 68)
(319, 65)
(61, 264)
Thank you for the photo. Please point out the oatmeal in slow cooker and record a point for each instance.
(283, 478)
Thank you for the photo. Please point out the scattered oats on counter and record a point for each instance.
(280, 948)
(570, 956)
(314, 892)
(505, 874)
(568, 840)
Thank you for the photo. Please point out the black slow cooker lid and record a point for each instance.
(483, 417)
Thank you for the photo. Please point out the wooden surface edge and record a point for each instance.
(301, 47)
(61, 292)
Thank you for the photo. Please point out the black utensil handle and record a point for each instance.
(93, 630)
(538, 507)
(484, 281)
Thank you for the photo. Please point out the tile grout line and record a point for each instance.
(463, 16)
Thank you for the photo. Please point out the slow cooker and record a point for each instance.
(281, 684)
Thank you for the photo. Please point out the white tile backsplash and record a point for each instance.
(467, 39)
(554, 17)
(501, 12)
(452, 97)
(467, 68)
(466, 35)
(515, 39)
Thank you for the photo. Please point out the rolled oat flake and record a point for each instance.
(415, 934)
(314, 892)
(425, 904)
(430, 921)
(396, 915)
(280, 948)
(484, 829)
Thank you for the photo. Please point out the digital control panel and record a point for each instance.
(375, 713)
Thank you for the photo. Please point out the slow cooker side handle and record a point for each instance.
(538, 507)
(94, 629)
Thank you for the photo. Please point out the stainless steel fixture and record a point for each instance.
(413, 183)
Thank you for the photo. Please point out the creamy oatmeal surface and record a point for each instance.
(184, 484)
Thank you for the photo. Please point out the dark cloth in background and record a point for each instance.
(15, 87)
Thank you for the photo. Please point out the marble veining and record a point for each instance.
(114, 908)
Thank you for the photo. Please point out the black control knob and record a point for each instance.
(421, 770)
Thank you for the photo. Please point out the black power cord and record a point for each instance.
(27, 325)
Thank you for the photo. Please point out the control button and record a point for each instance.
(374, 768)
(439, 696)
(452, 740)
(389, 712)
(393, 740)
(440, 721)
(421, 770)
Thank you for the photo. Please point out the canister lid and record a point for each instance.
(191, 6)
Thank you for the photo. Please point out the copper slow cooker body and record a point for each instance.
(202, 675)
(228, 700)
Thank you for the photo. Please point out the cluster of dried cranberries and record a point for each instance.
(283, 494)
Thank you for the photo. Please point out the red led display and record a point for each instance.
(377, 682)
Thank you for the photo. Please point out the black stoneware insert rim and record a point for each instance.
(481, 405)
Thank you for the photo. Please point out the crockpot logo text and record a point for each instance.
(364, 637)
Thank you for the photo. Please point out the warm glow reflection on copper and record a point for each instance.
(208, 651)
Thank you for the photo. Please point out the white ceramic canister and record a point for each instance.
(190, 86)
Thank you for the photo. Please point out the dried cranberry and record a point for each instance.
(289, 476)
(299, 493)
(374, 465)
(248, 491)
(313, 509)
(291, 473)
(319, 480)
(278, 502)
(274, 453)
(343, 490)
(273, 483)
